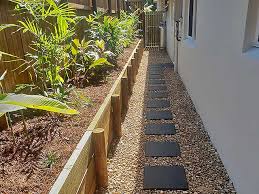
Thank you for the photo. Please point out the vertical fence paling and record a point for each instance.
(13, 43)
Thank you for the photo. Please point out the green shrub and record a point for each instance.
(106, 28)
(116, 33)
(52, 26)
(129, 27)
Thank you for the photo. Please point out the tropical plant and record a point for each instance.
(52, 26)
(148, 8)
(17, 102)
(10, 102)
(90, 59)
(117, 33)
(106, 28)
(129, 27)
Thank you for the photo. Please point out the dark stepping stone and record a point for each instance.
(156, 69)
(158, 94)
(164, 65)
(157, 88)
(156, 77)
(158, 104)
(160, 129)
(155, 73)
(165, 178)
(156, 81)
(168, 65)
(159, 115)
(162, 149)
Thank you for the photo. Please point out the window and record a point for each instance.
(251, 39)
(190, 18)
(257, 28)
(190, 24)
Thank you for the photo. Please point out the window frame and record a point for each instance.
(194, 19)
(256, 41)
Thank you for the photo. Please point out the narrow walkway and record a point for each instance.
(186, 148)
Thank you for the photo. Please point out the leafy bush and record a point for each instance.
(129, 27)
(90, 60)
(52, 26)
(106, 28)
(116, 33)
(57, 56)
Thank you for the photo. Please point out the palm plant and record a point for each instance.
(52, 26)
(10, 102)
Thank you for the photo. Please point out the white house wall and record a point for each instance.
(224, 85)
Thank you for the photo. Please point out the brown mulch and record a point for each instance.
(26, 169)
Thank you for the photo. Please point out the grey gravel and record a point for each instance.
(204, 169)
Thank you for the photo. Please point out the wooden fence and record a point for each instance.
(18, 43)
(83, 171)
(14, 43)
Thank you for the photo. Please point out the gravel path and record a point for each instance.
(205, 171)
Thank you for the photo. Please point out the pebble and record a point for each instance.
(205, 171)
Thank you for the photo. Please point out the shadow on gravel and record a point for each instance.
(113, 147)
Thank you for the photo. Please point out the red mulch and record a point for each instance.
(25, 170)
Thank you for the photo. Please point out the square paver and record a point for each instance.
(153, 94)
(160, 129)
(155, 77)
(164, 65)
(161, 66)
(157, 88)
(156, 81)
(156, 73)
(162, 149)
(158, 104)
(156, 69)
(165, 178)
(159, 115)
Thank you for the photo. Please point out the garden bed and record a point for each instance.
(41, 154)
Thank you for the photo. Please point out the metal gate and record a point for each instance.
(152, 33)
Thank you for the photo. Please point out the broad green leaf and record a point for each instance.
(76, 42)
(100, 44)
(36, 102)
(98, 62)
(5, 108)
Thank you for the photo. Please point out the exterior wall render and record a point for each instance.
(223, 82)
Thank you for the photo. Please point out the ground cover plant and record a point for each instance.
(64, 70)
